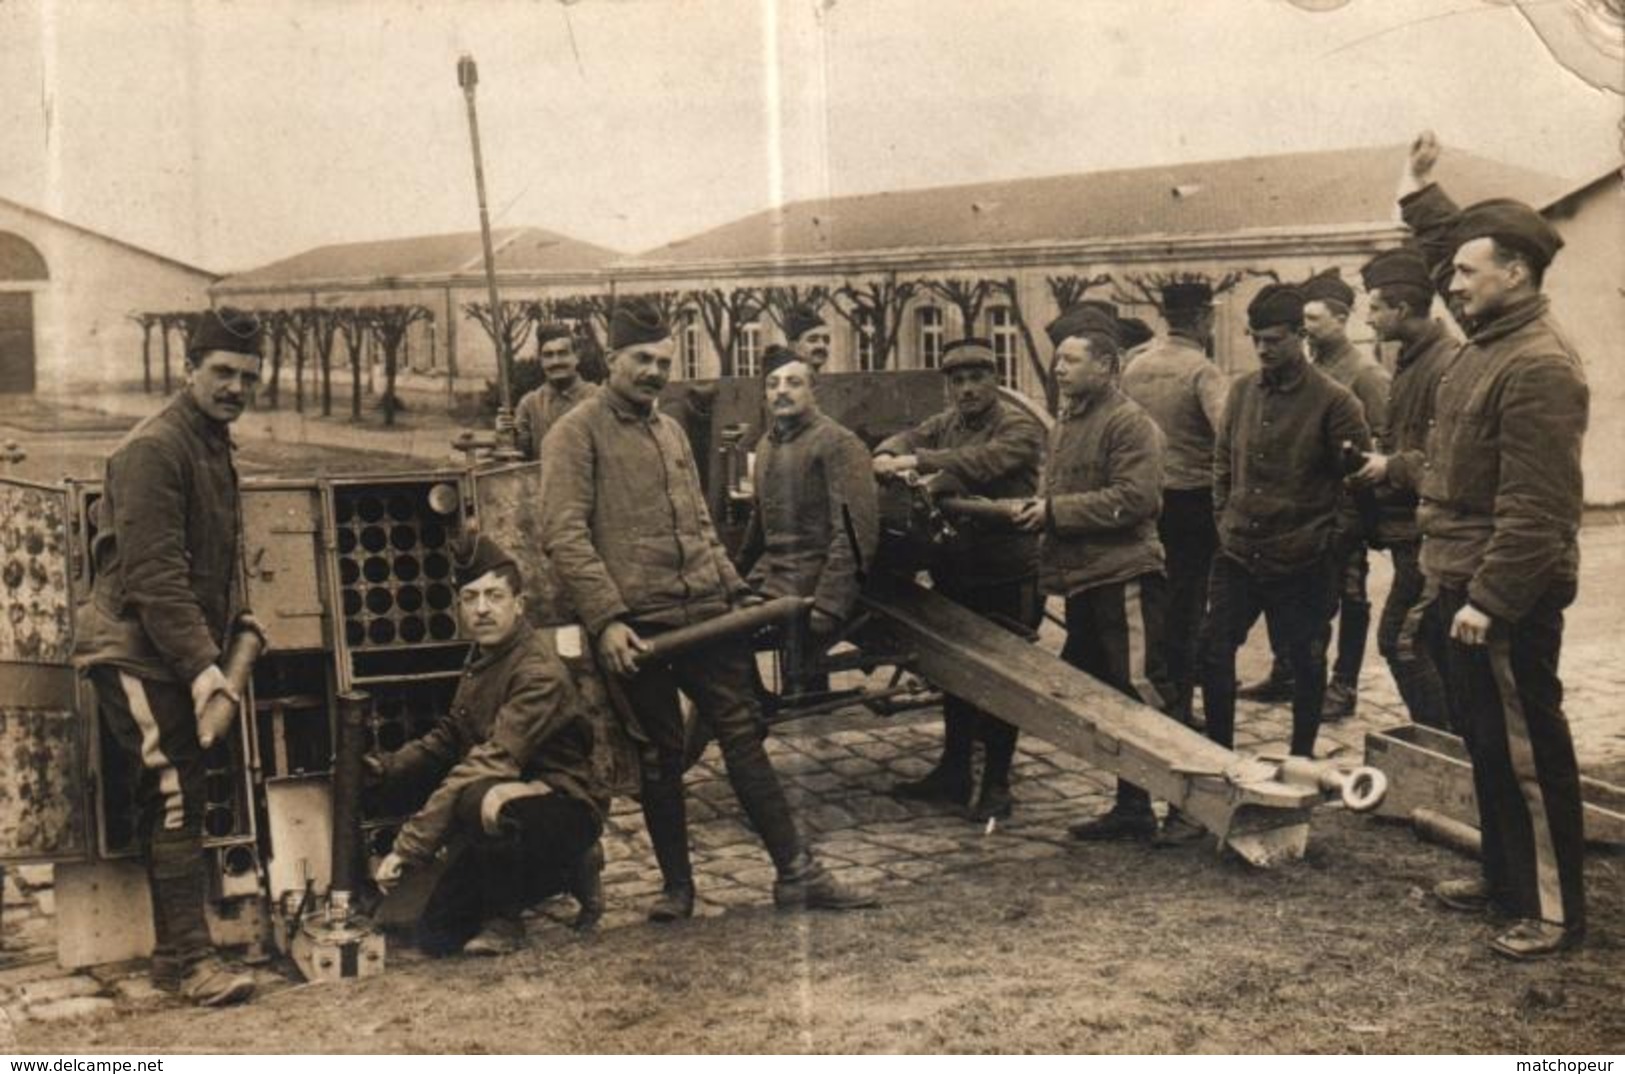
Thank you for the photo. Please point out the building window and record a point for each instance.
(931, 336)
(688, 345)
(863, 344)
(1001, 332)
(750, 350)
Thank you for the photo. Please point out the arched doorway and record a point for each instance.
(22, 269)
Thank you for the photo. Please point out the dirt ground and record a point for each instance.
(1099, 949)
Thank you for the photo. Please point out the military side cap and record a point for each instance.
(968, 353)
(799, 321)
(473, 559)
(1087, 319)
(1276, 303)
(551, 330)
(1187, 295)
(1511, 223)
(636, 320)
(226, 329)
(1401, 266)
(1328, 286)
(777, 356)
(1131, 332)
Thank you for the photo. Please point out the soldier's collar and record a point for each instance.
(1523, 312)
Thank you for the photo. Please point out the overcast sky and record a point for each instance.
(229, 134)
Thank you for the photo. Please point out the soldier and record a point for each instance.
(626, 527)
(510, 765)
(541, 407)
(987, 447)
(812, 480)
(1401, 294)
(808, 336)
(1501, 504)
(166, 600)
(1183, 391)
(1099, 550)
(1283, 519)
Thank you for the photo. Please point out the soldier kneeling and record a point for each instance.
(515, 805)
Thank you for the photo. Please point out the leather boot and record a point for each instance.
(941, 785)
(675, 903)
(1273, 688)
(807, 885)
(587, 885)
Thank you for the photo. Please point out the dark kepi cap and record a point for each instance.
(473, 559)
(1329, 287)
(1132, 332)
(551, 330)
(1276, 303)
(1087, 319)
(967, 354)
(799, 321)
(636, 320)
(225, 329)
(1187, 295)
(1512, 224)
(1402, 266)
(777, 355)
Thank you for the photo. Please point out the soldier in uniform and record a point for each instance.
(626, 527)
(1176, 382)
(983, 446)
(808, 336)
(167, 598)
(811, 482)
(541, 407)
(1501, 504)
(1098, 548)
(1401, 294)
(1283, 518)
(510, 767)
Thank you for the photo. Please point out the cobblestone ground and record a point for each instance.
(838, 769)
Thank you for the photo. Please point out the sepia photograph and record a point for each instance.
(812, 527)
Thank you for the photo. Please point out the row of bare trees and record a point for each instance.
(874, 307)
(300, 336)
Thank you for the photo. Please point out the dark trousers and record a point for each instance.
(543, 840)
(1297, 607)
(1189, 537)
(156, 729)
(721, 680)
(1015, 603)
(1115, 633)
(1507, 700)
(1353, 612)
(1411, 664)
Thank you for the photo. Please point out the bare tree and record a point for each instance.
(1146, 288)
(876, 310)
(324, 326)
(147, 321)
(352, 325)
(725, 314)
(389, 325)
(779, 301)
(967, 296)
(1069, 289)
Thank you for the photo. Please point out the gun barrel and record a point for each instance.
(743, 621)
(347, 753)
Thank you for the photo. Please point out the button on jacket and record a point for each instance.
(514, 716)
(1103, 487)
(1277, 468)
(1410, 413)
(542, 407)
(805, 476)
(624, 522)
(1184, 392)
(995, 454)
(167, 554)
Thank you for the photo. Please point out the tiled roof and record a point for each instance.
(427, 256)
(1295, 190)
